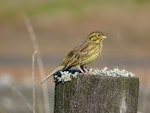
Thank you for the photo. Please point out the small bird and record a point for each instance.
(83, 54)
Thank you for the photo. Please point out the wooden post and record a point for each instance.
(97, 94)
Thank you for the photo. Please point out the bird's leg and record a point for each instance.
(84, 70)
(81, 69)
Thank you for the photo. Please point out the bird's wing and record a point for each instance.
(74, 57)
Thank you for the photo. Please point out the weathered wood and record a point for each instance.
(97, 94)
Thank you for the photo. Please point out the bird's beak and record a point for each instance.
(104, 37)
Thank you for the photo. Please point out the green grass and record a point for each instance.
(8, 9)
(14, 8)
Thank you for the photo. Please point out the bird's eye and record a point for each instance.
(98, 35)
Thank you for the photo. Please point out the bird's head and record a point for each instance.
(96, 37)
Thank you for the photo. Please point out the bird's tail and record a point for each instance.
(53, 72)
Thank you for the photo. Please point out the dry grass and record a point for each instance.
(40, 66)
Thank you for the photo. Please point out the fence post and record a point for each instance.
(97, 94)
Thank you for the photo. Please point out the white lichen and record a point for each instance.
(68, 76)
(114, 72)
(65, 76)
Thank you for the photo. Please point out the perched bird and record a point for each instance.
(83, 54)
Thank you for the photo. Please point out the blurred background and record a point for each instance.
(59, 27)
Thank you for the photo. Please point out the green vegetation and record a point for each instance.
(15, 7)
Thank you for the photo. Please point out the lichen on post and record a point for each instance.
(98, 94)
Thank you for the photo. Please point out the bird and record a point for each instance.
(83, 54)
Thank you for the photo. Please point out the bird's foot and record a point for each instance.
(84, 71)
(87, 73)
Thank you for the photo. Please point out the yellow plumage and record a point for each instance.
(83, 54)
